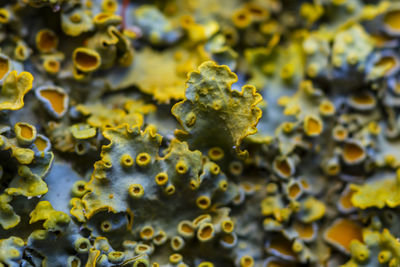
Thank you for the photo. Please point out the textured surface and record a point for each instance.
(204, 133)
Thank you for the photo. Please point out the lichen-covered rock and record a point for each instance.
(199, 133)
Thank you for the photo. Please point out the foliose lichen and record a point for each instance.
(199, 133)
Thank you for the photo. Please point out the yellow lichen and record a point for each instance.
(46, 41)
(136, 190)
(379, 193)
(86, 60)
(25, 133)
(312, 126)
(52, 219)
(55, 98)
(204, 87)
(353, 152)
(143, 159)
(392, 20)
(342, 232)
(205, 232)
(161, 178)
(203, 202)
(15, 86)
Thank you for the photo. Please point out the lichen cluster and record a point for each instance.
(204, 133)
